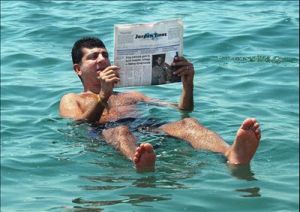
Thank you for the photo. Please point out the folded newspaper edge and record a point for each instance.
(144, 52)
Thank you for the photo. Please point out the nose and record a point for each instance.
(100, 58)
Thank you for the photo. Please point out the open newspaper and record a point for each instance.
(144, 52)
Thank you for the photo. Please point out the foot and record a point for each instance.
(144, 158)
(245, 144)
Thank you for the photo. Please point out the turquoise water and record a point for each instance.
(246, 57)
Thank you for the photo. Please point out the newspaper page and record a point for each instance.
(144, 52)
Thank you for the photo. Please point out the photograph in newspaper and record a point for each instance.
(162, 72)
(144, 52)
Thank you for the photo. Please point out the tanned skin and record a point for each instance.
(98, 103)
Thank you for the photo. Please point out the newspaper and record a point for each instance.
(144, 52)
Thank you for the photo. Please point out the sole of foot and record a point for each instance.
(144, 158)
(246, 143)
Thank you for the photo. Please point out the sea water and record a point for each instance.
(246, 58)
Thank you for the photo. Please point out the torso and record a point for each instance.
(120, 105)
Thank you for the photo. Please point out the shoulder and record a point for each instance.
(69, 105)
(70, 97)
(71, 100)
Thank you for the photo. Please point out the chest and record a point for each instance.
(120, 107)
(122, 100)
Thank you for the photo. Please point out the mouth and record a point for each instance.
(100, 68)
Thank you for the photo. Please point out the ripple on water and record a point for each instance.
(246, 58)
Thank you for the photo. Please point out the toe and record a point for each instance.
(258, 133)
(256, 126)
(148, 147)
(247, 124)
(142, 147)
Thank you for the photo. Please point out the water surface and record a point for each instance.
(246, 57)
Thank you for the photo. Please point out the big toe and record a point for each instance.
(248, 123)
(148, 147)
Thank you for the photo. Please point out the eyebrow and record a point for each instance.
(97, 52)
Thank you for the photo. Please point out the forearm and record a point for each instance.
(95, 110)
(185, 70)
(187, 97)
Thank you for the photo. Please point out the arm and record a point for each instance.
(70, 108)
(185, 70)
(92, 107)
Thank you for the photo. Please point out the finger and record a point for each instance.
(113, 80)
(180, 63)
(109, 72)
(109, 77)
(184, 70)
(105, 73)
(179, 58)
(111, 68)
(104, 76)
(183, 73)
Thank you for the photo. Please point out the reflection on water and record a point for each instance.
(153, 182)
(99, 188)
(134, 199)
(251, 192)
(142, 182)
(82, 209)
(242, 172)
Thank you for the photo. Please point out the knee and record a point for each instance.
(122, 129)
(190, 121)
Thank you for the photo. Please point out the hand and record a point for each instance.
(184, 69)
(108, 78)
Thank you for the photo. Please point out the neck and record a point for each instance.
(92, 89)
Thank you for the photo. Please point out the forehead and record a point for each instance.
(87, 51)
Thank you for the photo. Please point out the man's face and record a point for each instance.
(93, 61)
(159, 60)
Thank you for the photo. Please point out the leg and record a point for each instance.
(242, 150)
(198, 136)
(123, 140)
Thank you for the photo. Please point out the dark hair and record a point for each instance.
(156, 56)
(85, 42)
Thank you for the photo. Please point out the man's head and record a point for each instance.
(89, 57)
(85, 42)
(159, 59)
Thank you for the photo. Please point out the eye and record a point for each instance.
(105, 54)
(92, 56)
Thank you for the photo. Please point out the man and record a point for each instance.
(158, 71)
(161, 71)
(98, 103)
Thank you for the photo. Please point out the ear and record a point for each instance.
(77, 69)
